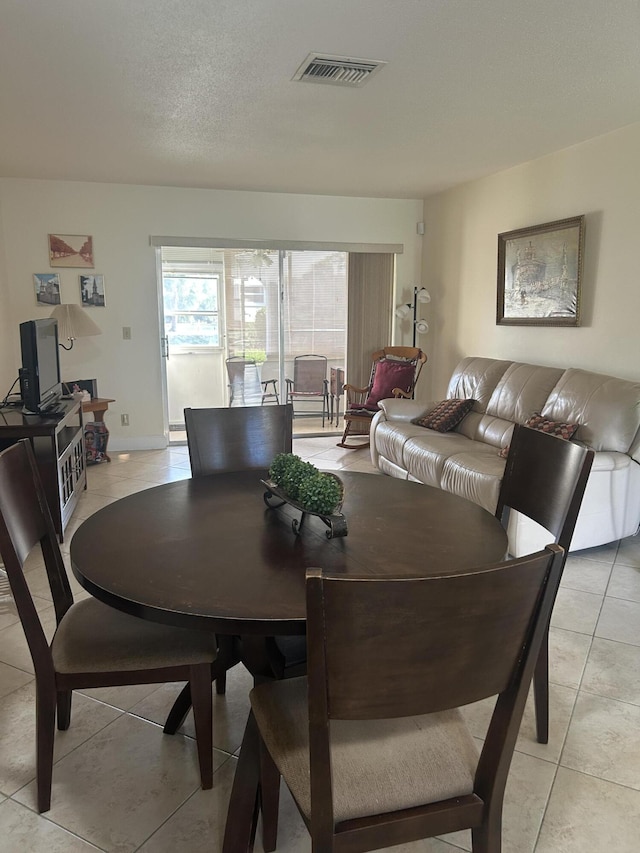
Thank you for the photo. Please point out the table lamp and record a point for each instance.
(73, 322)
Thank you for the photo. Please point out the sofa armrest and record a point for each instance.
(404, 410)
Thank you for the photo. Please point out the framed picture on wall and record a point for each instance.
(92, 291)
(47, 286)
(70, 250)
(539, 274)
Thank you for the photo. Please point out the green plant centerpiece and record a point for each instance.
(301, 484)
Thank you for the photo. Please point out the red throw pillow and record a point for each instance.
(390, 374)
(566, 431)
(557, 428)
(446, 415)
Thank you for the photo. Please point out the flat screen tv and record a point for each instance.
(40, 384)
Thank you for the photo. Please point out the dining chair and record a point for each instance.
(309, 383)
(372, 744)
(394, 373)
(94, 645)
(240, 439)
(544, 478)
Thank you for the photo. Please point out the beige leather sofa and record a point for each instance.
(466, 461)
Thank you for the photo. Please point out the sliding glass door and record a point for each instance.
(235, 319)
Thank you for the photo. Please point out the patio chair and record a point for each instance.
(394, 373)
(309, 383)
(244, 381)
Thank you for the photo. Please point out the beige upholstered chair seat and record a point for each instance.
(378, 765)
(93, 637)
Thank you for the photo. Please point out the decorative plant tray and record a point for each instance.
(274, 497)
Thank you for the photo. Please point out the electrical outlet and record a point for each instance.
(124, 420)
(126, 333)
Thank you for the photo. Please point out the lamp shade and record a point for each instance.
(403, 311)
(423, 295)
(73, 322)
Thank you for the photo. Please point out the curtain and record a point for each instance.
(370, 300)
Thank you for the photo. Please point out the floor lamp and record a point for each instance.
(420, 294)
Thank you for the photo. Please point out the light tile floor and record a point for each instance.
(119, 784)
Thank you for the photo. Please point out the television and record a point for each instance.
(40, 383)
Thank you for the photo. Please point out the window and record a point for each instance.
(192, 309)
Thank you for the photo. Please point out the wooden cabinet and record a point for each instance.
(58, 445)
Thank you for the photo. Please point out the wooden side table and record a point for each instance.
(98, 406)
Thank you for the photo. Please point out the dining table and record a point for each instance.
(208, 552)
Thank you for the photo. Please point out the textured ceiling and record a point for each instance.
(198, 93)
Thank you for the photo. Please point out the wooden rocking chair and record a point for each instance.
(394, 373)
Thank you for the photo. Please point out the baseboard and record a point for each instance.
(117, 444)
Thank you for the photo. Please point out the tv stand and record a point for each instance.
(58, 444)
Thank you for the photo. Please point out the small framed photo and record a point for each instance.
(71, 250)
(92, 291)
(539, 274)
(88, 385)
(47, 286)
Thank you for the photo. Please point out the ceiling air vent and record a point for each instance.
(337, 70)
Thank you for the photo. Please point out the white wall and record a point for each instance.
(7, 367)
(600, 178)
(121, 219)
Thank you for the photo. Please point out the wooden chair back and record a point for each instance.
(379, 649)
(310, 375)
(237, 439)
(25, 521)
(545, 478)
(453, 640)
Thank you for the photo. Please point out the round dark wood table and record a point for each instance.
(207, 552)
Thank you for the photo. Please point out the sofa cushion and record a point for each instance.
(390, 374)
(522, 390)
(475, 475)
(607, 409)
(399, 409)
(477, 378)
(486, 428)
(391, 437)
(424, 455)
(445, 415)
